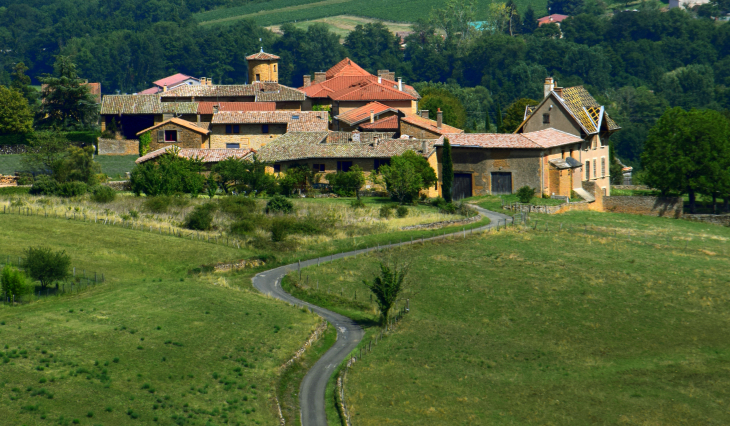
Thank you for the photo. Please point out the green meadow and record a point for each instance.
(573, 319)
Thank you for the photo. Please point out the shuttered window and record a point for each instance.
(603, 166)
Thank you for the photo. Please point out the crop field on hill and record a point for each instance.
(281, 11)
(343, 24)
(154, 345)
(114, 166)
(589, 318)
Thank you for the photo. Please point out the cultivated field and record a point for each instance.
(342, 25)
(114, 166)
(582, 318)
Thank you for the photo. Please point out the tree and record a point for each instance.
(79, 165)
(387, 287)
(13, 283)
(170, 174)
(374, 47)
(422, 168)
(296, 177)
(15, 113)
(529, 21)
(688, 152)
(46, 266)
(551, 30)
(245, 176)
(498, 119)
(401, 179)
(453, 111)
(347, 183)
(688, 87)
(21, 83)
(46, 151)
(447, 169)
(515, 113)
(67, 103)
(565, 7)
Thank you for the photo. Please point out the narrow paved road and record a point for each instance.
(349, 334)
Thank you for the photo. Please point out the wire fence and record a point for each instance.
(77, 281)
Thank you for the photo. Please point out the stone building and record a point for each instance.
(420, 126)
(177, 132)
(573, 110)
(254, 129)
(209, 157)
(370, 113)
(263, 67)
(497, 164)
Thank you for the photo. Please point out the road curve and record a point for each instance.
(349, 334)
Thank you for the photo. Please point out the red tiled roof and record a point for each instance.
(358, 115)
(360, 88)
(172, 80)
(180, 122)
(431, 125)
(296, 121)
(541, 139)
(346, 67)
(550, 19)
(151, 91)
(388, 123)
(262, 56)
(207, 107)
(204, 155)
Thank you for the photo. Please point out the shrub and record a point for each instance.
(280, 228)
(279, 204)
(386, 211)
(104, 194)
(465, 209)
(158, 204)
(72, 189)
(134, 214)
(357, 204)
(13, 282)
(525, 194)
(44, 185)
(401, 211)
(25, 179)
(238, 205)
(201, 218)
(242, 227)
(449, 208)
(437, 202)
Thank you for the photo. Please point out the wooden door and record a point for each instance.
(462, 186)
(501, 183)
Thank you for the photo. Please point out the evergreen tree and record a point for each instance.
(447, 170)
(21, 83)
(529, 21)
(67, 103)
(499, 119)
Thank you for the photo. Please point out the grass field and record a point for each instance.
(342, 25)
(154, 345)
(113, 166)
(281, 11)
(615, 319)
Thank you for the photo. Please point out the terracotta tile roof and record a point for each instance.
(541, 139)
(144, 104)
(205, 155)
(180, 122)
(346, 87)
(388, 123)
(361, 114)
(551, 19)
(365, 137)
(301, 121)
(172, 80)
(262, 56)
(150, 91)
(207, 107)
(263, 92)
(430, 125)
(300, 146)
(345, 67)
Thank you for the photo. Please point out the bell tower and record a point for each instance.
(263, 67)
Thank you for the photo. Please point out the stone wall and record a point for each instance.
(250, 136)
(631, 187)
(650, 206)
(8, 180)
(715, 219)
(119, 185)
(118, 146)
(13, 149)
(185, 138)
(417, 132)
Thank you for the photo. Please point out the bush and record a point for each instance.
(201, 218)
(448, 208)
(237, 205)
(72, 189)
(437, 202)
(357, 204)
(401, 211)
(25, 179)
(280, 228)
(280, 204)
(465, 209)
(525, 194)
(13, 282)
(158, 204)
(104, 194)
(242, 227)
(386, 211)
(44, 185)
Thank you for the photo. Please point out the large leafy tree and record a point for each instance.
(348, 182)
(15, 113)
(437, 98)
(305, 52)
(688, 152)
(565, 7)
(168, 175)
(46, 153)
(401, 179)
(373, 46)
(45, 265)
(514, 114)
(247, 176)
(67, 103)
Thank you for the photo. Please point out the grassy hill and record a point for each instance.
(154, 345)
(281, 11)
(613, 319)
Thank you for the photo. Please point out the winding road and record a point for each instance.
(349, 334)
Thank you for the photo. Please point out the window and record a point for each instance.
(277, 168)
(295, 117)
(318, 168)
(258, 77)
(546, 119)
(595, 171)
(603, 166)
(229, 129)
(233, 128)
(344, 166)
(170, 135)
(380, 162)
(274, 67)
(588, 169)
(233, 145)
(264, 128)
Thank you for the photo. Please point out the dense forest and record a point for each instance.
(638, 62)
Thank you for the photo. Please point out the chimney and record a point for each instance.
(549, 86)
(424, 113)
(372, 116)
(400, 84)
(389, 76)
(319, 77)
(307, 80)
(439, 118)
(215, 109)
(164, 88)
(423, 147)
(559, 91)
(380, 80)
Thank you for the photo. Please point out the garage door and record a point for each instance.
(501, 183)
(462, 186)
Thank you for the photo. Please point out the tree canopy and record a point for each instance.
(15, 113)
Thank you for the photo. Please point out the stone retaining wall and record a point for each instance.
(645, 205)
(8, 180)
(118, 185)
(632, 187)
(442, 223)
(13, 149)
(118, 146)
(715, 219)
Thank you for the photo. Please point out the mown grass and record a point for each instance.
(616, 319)
(154, 345)
(342, 25)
